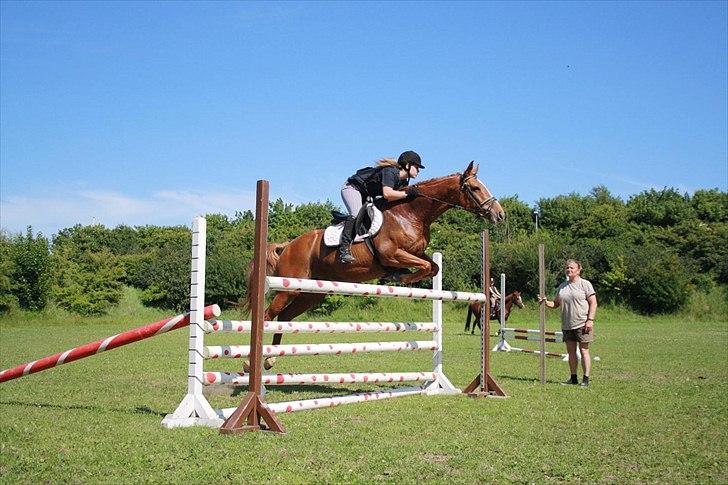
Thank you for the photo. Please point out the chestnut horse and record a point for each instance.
(400, 243)
(474, 310)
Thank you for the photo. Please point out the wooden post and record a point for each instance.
(247, 416)
(484, 382)
(542, 313)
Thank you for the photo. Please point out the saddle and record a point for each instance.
(368, 223)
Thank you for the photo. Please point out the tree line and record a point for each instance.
(649, 253)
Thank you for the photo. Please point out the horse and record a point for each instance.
(400, 244)
(475, 307)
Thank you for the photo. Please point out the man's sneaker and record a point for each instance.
(569, 382)
(584, 383)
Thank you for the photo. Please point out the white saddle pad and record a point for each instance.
(332, 234)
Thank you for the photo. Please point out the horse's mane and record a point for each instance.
(435, 181)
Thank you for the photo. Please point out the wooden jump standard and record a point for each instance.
(484, 385)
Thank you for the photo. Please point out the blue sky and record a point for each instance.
(151, 113)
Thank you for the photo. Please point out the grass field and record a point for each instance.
(657, 409)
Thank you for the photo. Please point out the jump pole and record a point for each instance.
(484, 385)
(253, 414)
(542, 313)
(502, 321)
(108, 343)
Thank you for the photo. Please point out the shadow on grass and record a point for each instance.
(527, 379)
(85, 407)
(330, 391)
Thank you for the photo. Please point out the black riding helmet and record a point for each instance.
(409, 158)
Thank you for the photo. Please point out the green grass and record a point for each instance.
(657, 410)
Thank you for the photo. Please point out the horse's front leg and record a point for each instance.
(300, 304)
(402, 259)
(280, 301)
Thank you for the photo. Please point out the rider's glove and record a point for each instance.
(413, 192)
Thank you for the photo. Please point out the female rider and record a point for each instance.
(389, 179)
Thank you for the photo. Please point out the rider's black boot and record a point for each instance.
(347, 235)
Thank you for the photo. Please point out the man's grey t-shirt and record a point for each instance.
(574, 304)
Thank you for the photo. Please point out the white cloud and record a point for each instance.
(52, 212)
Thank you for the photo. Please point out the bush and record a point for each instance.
(659, 281)
(616, 281)
(89, 283)
(518, 259)
(329, 305)
(229, 254)
(461, 264)
(366, 302)
(168, 275)
(135, 267)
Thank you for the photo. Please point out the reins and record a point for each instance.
(485, 205)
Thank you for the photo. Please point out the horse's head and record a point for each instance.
(517, 299)
(475, 196)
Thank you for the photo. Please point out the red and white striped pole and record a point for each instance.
(109, 343)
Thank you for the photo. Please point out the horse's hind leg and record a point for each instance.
(279, 303)
(477, 315)
(300, 304)
(467, 321)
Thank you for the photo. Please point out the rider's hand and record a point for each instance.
(413, 192)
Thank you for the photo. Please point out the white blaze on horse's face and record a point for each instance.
(477, 196)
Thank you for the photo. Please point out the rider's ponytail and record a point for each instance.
(387, 162)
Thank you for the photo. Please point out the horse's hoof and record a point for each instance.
(269, 362)
(246, 366)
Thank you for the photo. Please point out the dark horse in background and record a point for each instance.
(475, 307)
(400, 243)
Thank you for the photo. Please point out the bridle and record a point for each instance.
(482, 207)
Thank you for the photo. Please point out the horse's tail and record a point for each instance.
(272, 256)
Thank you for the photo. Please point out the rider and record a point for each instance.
(495, 298)
(388, 179)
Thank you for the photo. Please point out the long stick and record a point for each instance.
(108, 343)
(542, 312)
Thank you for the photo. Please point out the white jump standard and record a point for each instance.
(504, 332)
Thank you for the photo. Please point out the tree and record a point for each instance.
(8, 300)
(711, 205)
(31, 278)
(562, 212)
(519, 219)
(662, 208)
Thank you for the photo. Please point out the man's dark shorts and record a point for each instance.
(578, 335)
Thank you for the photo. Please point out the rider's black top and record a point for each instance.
(369, 180)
